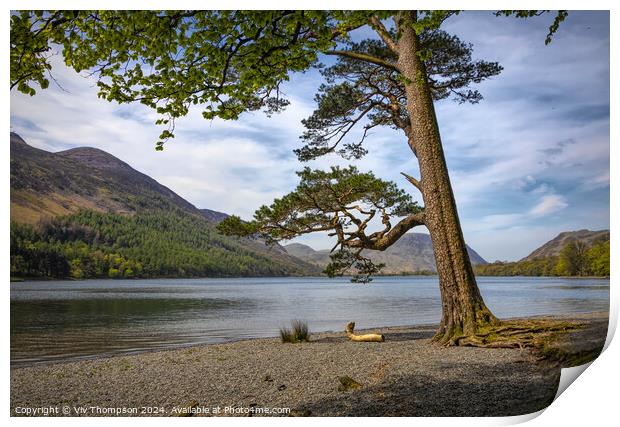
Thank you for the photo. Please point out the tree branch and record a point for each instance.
(392, 236)
(417, 184)
(380, 29)
(364, 57)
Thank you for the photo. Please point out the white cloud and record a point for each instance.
(549, 204)
(222, 165)
(512, 235)
(509, 171)
(599, 181)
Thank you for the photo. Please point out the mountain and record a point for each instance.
(548, 259)
(413, 252)
(85, 213)
(320, 258)
(553, 247)
(45, 184)
(214, 216)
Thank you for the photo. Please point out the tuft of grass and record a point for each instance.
(298, 333)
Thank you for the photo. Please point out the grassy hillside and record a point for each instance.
(45, 184)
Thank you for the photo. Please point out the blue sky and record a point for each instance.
(528, 162)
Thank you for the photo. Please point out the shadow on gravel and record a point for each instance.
(487, 391)
(577, 347)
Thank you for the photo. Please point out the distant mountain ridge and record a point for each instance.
(554, 246)
(214, 216)
(413, 252)
(45, 184)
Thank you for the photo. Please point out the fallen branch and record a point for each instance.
(362, 338)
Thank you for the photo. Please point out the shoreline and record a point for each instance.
(413, 274)
(405, 375)
(386, 329)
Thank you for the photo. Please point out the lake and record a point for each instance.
(67, 320)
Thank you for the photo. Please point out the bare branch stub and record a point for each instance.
(417, 184)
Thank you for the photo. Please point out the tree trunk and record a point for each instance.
(463, 309)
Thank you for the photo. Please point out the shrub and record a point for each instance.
(298, 333)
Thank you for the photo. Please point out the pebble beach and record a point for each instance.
(407, 375)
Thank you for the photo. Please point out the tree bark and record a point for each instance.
(463, 309)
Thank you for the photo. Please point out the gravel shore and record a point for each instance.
(406, 375)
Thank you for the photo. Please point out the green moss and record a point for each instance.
(552, 350)
(347, 383)
(517, 333)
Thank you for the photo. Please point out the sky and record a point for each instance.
(528, 162)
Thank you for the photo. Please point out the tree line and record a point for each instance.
(92, 244)
(575, 259)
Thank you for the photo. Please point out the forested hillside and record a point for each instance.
(150, 244)
(582, 253)
(83, 213)
(585, 238)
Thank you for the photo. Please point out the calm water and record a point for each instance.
(63, 320)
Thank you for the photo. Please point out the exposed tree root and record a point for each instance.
(512, 334)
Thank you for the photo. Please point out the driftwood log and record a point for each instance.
(362, 338)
